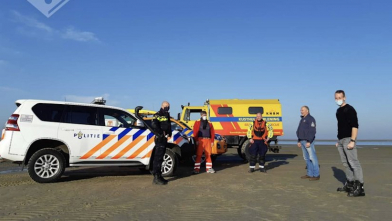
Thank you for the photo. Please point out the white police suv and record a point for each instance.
(49, 136)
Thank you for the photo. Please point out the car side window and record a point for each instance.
(49, 112)
(115, 118)
(175, 126)
(81, 115)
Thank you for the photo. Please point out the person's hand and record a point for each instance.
(299, 144)
(251, 141)
(337, 144)
(350, 145)
(307, 144)
(266, 140)
(212, 144)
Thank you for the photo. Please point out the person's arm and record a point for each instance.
(156, 125)
(311, 131)
(299, 141)
(212, 130)
(196, 127)
(249, 133)
(170, 133)
(270, 130)
(353, 119)
(354, 124)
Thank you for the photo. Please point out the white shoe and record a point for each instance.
(210, 170)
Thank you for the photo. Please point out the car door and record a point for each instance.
(126, 141)
(80, 131)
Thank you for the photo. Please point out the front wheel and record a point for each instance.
(46, 165)
(169, 164)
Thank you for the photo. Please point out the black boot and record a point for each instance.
(348, 187)
(158, 180)
(358, 190)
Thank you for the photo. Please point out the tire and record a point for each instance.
(239, 151)
(169, 164)
(245, 150)
(46, 165)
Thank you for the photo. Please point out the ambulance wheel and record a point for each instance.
(245, 150)
(46, 165)
(239, 151)
(169, 164)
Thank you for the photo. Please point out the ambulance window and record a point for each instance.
(225, 110)
(255, 110)
(81, 115)
(195, 114)
(115, 118)
(49, 112)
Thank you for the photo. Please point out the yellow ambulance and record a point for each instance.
(232, 117)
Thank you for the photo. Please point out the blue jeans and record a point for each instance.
(310, 157)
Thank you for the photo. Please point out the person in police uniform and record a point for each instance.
(162, 128)
(259, 133)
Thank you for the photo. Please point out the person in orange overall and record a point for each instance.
(259, 133)
(204, 134)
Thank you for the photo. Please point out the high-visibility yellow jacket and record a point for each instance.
(268, 127)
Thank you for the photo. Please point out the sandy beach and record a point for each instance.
(122, 193)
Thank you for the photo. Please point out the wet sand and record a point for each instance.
(122, 193)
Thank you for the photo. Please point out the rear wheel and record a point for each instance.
(46, 165)
(245, 150)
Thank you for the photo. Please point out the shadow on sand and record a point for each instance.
(339, 175)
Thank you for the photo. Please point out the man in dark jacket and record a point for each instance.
(162, 127)
(306, 134)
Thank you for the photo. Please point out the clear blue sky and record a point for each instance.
(142, 52)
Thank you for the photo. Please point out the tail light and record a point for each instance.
(12, 123)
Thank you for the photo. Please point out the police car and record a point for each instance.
(48, 136)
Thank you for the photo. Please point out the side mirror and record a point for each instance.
(139, 123)
(179, 116)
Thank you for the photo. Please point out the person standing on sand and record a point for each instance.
(347, 135)
(306, 134)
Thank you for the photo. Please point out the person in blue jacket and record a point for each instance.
(306, 134)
